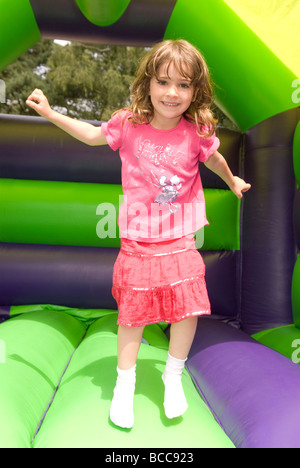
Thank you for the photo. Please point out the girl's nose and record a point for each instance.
(172, 91)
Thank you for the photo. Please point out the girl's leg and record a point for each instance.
(182, 335)
(129, 341)
(181, 339)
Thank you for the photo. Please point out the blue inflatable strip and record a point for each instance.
(252, 390)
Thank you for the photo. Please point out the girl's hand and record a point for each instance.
(38, 101)
(239, 187)
(82, 131)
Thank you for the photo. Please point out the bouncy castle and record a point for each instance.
(58, 327)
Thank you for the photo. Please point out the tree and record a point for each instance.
(22, 76)
(85, 81)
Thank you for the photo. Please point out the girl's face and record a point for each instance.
(171, 95)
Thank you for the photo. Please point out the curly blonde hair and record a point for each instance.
(192, 66)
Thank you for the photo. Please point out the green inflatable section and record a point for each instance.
(18, 30)
(285, 340)
(33, 364)
(70, 213)
(56, 349)
(276, 23)
(252, 83)
(102, 12)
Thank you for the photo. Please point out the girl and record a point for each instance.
(159, 273)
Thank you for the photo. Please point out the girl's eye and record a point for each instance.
(161, 82)
(185, 85)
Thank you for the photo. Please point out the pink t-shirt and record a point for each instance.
(162, 188)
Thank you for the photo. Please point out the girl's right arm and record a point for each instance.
(82, 131)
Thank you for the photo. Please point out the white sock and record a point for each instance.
(175, 402)
(121, 410)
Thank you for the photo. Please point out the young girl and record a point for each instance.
(159, 273)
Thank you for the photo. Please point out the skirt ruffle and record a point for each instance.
(162, 282)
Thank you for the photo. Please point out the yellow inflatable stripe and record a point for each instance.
(276, 23)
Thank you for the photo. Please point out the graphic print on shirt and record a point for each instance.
(165, 160)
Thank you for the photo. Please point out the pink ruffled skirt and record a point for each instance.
(162, 282)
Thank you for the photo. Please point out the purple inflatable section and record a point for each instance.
(252, 390)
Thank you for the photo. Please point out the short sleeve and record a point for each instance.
(208, 147)
(113, 130)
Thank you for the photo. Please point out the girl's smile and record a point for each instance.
(171, 95)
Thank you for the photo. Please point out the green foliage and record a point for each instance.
(85, 81)
(20, 78)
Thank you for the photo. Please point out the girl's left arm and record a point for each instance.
(217, 163)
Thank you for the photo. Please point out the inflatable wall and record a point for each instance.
(58, 330)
